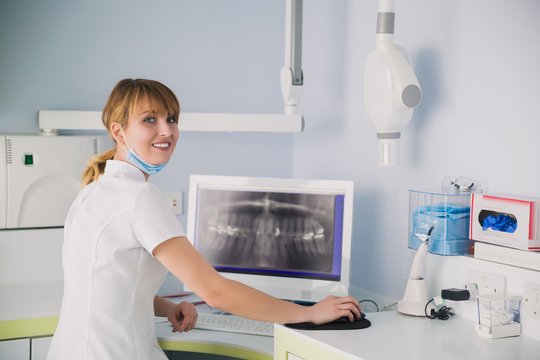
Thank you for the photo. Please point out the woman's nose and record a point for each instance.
(164, 128)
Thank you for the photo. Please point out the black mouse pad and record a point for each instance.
(333, 325)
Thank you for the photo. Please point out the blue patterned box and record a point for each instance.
(449, 213)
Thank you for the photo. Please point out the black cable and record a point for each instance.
(425, 310)
(442, 314)
(371, 301)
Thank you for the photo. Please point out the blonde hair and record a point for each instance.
(119, 107)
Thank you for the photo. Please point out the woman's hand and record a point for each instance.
(183, 316)
(333, 307)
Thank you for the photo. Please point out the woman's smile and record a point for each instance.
(162, 145)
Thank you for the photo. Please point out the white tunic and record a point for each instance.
(110, 275)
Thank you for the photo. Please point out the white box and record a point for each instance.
(40, 176)
(498, 315)
(505, 255)
(522, 210)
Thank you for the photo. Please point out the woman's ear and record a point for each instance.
(117, 133)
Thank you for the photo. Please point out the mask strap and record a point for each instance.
(125, 138)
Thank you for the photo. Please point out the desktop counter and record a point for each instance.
(29, 314)
(396, 336)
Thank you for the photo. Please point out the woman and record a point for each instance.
(121, 238)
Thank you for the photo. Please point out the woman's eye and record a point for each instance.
(171, 120)
(149, 120)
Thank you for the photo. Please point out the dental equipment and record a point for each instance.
(415, 298)
(291, 79)
(40, 176)
(391, 87)
(291, 76)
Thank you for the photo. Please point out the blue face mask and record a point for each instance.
(138, 162)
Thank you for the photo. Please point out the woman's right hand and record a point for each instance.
(183, 316)
(333, 307)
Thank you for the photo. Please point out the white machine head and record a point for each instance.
(391, 87)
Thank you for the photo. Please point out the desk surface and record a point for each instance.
(216, 342)
(31, 300)
(32, 310)
(29, 310)
(396, 336)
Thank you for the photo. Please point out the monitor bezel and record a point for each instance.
(284, 287)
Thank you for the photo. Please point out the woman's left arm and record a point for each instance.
(182, 316)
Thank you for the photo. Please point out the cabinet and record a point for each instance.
(15, 349)
(40, 347)
(21, 349)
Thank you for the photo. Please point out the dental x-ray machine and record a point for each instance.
(41, 175)
(391, 88)
(292, 86)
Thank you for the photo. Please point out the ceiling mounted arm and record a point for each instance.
(293, 41)
(292, 78)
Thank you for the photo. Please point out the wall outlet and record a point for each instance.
(175, 201)
(531, 301)
(487, 283)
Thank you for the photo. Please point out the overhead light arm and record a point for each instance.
(292, 83)
(292, 77)
(293, 41)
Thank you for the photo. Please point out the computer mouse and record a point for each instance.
(342, 323)
(345, 319)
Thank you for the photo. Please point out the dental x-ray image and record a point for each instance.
(266, 231)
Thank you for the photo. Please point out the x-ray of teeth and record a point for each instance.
(267, 230)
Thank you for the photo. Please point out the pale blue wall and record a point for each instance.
(476, 61)
(218, 56)
(478, 64)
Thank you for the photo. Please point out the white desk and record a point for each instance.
(30, 311)
(396, 336)
(28, 314)
(252, 347)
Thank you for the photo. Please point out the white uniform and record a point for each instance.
(110, 275)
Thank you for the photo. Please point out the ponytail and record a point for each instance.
(96, 166)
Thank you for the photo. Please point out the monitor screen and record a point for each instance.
(287, 237)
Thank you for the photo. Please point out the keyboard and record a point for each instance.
(233, 323)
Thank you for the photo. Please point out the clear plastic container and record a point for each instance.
(449, 213)
(498, 315)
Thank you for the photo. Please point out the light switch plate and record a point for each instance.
(531, 301)
(487, 283)
(175, 201)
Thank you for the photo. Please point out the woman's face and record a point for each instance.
(153, 136)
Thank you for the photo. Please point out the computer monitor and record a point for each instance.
(290, 238)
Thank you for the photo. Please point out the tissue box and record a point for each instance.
(498, 315)
(505, 220)
(449, 213)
